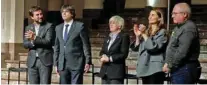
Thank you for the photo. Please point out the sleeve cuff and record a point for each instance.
(110, 59)
(32, 43)
(133, 44)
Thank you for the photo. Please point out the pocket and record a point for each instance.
(174, 41)
(48, 51)
(77, 54)
(197, 73)
(156, 58)
(73, 54)
(183, 71)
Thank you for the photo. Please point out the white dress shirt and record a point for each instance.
(111, 41)
(65, 23)
(37, 29)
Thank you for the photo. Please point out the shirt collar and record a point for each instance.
(181, 24)
(69, 23)
(113, 35)
(36, 25)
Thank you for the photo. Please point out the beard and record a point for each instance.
(39, 21)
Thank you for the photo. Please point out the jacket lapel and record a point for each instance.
(141, 46)
(41, 30)
(32, 28)
(116, 40)
(107, 43)
(61, 31)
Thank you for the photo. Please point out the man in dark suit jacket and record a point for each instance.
(72, 48)
(38, 39)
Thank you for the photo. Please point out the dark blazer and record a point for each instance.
(118, 51)
(42, 44)
(76, 50)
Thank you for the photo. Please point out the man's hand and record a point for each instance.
(30, 35)
(56, 69)
(104, 59)
(165, 68)
(87, 67)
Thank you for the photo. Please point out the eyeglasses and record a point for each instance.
(64, 11)
(175, 13)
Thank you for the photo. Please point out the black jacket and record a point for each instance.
(118, 52)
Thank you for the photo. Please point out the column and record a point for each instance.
(79, 6)
(93, 4)
(53, 14)
(54, 5)
(12, 28)
(135, 4)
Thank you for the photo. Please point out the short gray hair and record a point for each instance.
(185, 8)
(118, 21)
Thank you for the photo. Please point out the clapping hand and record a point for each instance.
(104, 58)
(30, 35)
(138, 30)
(165, 68)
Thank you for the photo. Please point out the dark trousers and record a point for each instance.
(156, 78)
(39, 73)
(188, 74)
(68, 76)
(106, 80)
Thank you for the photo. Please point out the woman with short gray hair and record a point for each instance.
(118, 21)
(114, 52)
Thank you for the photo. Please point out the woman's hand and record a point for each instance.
(137, 32)
(104, 59)
(142, 28)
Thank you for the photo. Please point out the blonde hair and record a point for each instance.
(118, 21)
